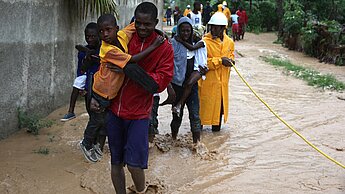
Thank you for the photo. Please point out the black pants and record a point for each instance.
(153, 126)
(192, 103)
(96, 125)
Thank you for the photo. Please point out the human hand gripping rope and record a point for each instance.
(283, 121)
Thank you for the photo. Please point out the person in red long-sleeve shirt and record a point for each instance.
(128, 118)
(243, 20)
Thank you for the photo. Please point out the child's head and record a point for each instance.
(145, 19)
(198, 32)
(233, 10)
(91, 35)
(108, 28)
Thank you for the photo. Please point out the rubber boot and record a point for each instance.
(215, 128)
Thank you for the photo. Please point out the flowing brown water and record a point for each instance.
(253, 153)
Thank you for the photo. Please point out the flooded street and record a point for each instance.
(253, 153)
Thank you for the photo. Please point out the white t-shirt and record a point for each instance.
(234, 18)
(196, 19)
(200, 57)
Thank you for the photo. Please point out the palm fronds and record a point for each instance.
(81, 8)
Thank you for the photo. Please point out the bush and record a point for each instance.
(263, 17)
(32, 122)
(309, 36)
(42, 150)
(324, 40)
(293, 18)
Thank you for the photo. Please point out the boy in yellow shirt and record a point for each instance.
(114, 50)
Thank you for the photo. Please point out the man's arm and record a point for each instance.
(216, 62)
(165, 69)
(118, 59)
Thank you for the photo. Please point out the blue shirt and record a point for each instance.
(91, 70)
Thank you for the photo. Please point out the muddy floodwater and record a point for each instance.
(253, 153)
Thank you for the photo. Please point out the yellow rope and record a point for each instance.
(290, 127)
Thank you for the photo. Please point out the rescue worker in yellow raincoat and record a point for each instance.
(220, 8)
(226, 11)
(213, 91)
(187, 11)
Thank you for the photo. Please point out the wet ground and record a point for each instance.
(253, 153)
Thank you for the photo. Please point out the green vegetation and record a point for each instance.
(262, 17)
(324, 40)
(51, 138)
(32, 122)
(42, 150)
(278, 41)
(81, 8)
(312, 77)
(313, 27)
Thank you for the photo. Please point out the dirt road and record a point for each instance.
(253, 153)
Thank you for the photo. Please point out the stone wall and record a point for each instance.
(37, 55)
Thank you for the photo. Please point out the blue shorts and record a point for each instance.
(128, 141)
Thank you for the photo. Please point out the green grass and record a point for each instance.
(312, 77)
(278, 41)
(32, 122)
(42, 150)
(51, 138)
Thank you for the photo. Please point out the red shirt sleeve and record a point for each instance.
(164, 71)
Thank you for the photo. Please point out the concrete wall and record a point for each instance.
(126, 9)
(37, 55)
(35, 58)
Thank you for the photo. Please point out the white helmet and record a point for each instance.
(188, 6)
(218, 18)
(224, 3)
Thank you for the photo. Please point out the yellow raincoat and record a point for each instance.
(227, 13)
(213, 91)
(220, 8)
(186, 12)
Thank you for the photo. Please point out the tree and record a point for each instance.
(280, 13)
(81, 8)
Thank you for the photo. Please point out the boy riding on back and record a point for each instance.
(106, 82)
(114, 50)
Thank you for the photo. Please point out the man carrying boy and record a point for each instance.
(107, 83)
(114, 50)
(130, 110)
